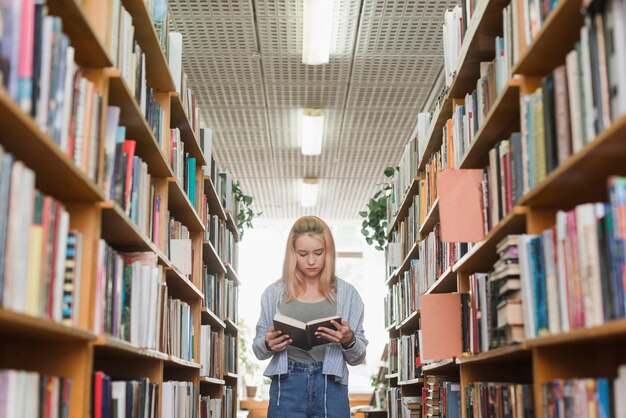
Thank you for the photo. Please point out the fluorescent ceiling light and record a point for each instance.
(308, 192)
(316, 31)
(311, 131)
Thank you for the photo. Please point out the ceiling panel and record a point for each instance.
(244, 64)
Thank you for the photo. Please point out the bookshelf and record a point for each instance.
(112, 230)
(550, 352)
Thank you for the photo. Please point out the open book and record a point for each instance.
(303, 334)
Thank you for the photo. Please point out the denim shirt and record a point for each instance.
(349, 307)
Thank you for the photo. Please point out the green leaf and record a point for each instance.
(369, 241)
(389, 171)
(363, 213)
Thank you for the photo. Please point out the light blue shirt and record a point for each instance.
(349, 307)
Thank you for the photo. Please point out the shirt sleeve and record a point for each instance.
(355, 355)
(265, 322)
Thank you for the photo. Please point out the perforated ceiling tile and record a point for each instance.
(284, 126)
(203, 68)
(289, 68)
(381, 96)
(372, 139)
(379, 119)
(284, 35)
(282, 95)
(415, 69)
(212, 7)
(289, 8)
(396, 36)
(236, 118)
(217, 95)
(203, 33)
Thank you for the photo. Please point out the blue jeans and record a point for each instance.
(302, 394)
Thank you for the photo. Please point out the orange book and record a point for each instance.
(460, 205)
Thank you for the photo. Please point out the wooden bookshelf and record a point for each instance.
(497, 355)
(409, 322)
(39, 152)
(212, 259)
(158, 72)
(503, 118)
(231, 274)
(432, 218)
(406, 264)
(483, 255)
(602, 157)
(391, 376)
(558, 34)
(209, 317)
(231, 224)
(231, 375)
(478, 46)
(231, 327)
(391, 327)
(446, 283)
(211, 380)
(137, 127)
(214, 201)
(180, 120)
(90, 52)
(403, 209)
(181, 208)
(24, 326)
(445, 367)
(612, 331)
(411, 382)
(439, 118)
(120, 232)
(180, 286)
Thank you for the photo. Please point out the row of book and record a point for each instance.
(592, 398)
(436, 258)
(180, 400)
(402, 299)
(572, 273)
(127, 398)
(209, 352)
(213, 291)
(178, 330)
(222, 239)
(404, 235)
(231, 300)
(496, 314)
(404, 175)
(40, 253)
(184, 168)
(38, 70)
(130, 294)
(440, 397)
(409, 363)
(33, 395)
(499, 400)
(211, 407)
(230, 354)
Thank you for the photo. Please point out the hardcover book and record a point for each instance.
(303, 334)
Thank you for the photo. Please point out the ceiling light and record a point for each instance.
(308, 192)
(311, 131)
(316, 31)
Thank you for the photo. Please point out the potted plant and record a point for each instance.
(244, 214)
(374, 227)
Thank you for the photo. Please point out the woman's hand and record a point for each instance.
(343, 334)
(276, 342)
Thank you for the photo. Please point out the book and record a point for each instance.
(303, 334)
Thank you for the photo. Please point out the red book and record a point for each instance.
(129, 150)
(97, 394)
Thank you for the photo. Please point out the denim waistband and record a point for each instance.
(311, 367)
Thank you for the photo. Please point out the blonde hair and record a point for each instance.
(316, 228)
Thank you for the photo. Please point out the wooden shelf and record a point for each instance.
(157, 71)
(583, 177)
(407, 201)
(209, 317)
(557, 37)
(137, 128)
(391, 376)
(17, 325)
(181, 208)
(446, 283)
(446, 367)
(503, 118)
(432, 218)
(107, 346)
(212, 260)
(179, 119)
(435, 132)
(483, 255)
(406, 264)
(479, 44)
(232, 225)
(173, 361)
(613, 330)
(410, 322)
(215, 205)
(231, 327)
(57, 174)
(90, 52)
(497, 355)
(211, 380)
(231, 375)
(391, 327)
(231, 274)
(180, 286)
(411, 382)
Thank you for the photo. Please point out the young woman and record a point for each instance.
(310, 383)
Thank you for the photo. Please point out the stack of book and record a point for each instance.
(30, 394)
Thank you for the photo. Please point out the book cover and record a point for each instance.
(303, 334)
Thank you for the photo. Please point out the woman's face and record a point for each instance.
(310, 256)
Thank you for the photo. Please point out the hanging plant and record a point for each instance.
(374, 227)
(245, 213)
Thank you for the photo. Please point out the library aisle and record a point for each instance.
(470, 158)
